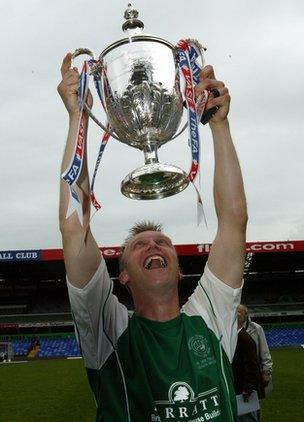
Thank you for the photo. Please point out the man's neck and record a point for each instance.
(158, 308)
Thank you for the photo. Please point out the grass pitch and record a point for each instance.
(57, 391)
(286, 401)
(45, 390)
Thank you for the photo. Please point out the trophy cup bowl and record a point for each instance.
(140, 85)
(144, 106)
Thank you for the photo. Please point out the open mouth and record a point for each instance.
(155, 261)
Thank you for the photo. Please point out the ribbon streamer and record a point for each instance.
(188, 53)
(104, 141)
(73, 171)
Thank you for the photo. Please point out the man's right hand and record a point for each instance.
(68, 87)
(266, 375)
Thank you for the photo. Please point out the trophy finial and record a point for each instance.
(132, 22)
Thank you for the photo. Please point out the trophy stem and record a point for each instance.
(150, 151)
(153, 180)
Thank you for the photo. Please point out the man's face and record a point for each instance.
(150, 262)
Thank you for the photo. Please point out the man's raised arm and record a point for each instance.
(227, 255)
(81, 253)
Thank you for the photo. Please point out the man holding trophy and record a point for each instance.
(161, 363)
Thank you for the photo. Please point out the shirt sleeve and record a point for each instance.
(264, 353)
(98, 316)
(216, 303)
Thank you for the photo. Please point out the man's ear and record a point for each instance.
(180, 274)
(124, 277)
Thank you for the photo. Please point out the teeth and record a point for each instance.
(149, 260)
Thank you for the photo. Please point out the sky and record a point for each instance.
(256, 48)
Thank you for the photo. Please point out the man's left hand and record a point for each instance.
(246, 395)
(209, 82)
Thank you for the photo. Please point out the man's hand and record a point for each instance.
(246, 395)
(68, 87)
(266, 377)
(209, 82)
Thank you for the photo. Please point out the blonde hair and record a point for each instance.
(139, 227)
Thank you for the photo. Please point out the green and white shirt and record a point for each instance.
(149, 371)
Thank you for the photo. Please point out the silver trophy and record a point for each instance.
(139, 78)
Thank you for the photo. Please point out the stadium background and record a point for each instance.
(35, 320)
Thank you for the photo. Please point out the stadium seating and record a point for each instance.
(56, 347)
(21, 347)
(49, 347)
(284, 337)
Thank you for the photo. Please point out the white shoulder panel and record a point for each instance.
(99, 317)
(216, 303)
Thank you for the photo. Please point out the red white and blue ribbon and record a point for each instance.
(73, 171)
(188, 53)
(104, 140)
(103, 144)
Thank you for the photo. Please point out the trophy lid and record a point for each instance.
(133, 28)
(132, 22)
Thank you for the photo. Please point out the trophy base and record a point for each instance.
(154, 181)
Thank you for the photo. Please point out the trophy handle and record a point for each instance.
(200, 48)
(79, 52)
(94, 118)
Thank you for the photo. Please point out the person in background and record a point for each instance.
(257, 333)
(245, 366)
(264, 357)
